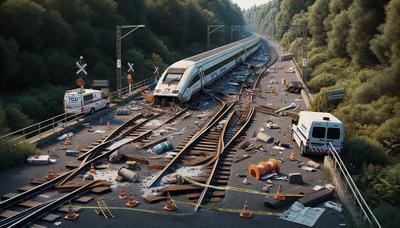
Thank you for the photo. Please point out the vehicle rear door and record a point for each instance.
(335, 135)
(318, 137)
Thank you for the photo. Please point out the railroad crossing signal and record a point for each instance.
(156, 72)
(81, 66)
(130, 67)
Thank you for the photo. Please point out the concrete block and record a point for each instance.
(295, 178)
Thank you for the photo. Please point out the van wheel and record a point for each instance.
(302, 150)
(107, 105)
(92, 110)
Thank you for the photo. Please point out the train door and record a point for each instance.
(201, 73)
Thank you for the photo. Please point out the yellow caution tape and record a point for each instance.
(231, 210)
(129, 209)
(237, 189)
(221, 209)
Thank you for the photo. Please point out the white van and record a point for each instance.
(85, 101)
(314, 130)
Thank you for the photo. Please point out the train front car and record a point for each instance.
(172, 83)
(185, 78)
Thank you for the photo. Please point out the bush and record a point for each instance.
(387, 215)
(321, 81)
(362, 150)
(14, 153)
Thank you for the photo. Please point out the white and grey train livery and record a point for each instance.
(183, 79)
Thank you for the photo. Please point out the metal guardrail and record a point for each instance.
(63, 120)
(357, 199)
(309, 94)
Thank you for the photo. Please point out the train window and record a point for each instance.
(196, 78)
(172, 78)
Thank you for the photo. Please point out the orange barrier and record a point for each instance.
(246, 213)
(71, 213)
(257, 171)
(50, 175)
(122, 194)
(132, 202)
(169, 204)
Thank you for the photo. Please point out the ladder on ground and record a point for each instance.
(103, 209)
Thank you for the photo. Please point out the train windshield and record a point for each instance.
(172, 78)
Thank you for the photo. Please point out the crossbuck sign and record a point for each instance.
(81, 68)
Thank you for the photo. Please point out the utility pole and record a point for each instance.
(119, 37)
(234, 28)
(304, 47)
(211, 29)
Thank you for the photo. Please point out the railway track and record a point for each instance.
(133, 130)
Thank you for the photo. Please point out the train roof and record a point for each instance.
(212, 52)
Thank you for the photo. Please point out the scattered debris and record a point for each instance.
(244, 144)
(300, 214)
(268, 176)
(88, 177)
(245, 181)
(295, 178)
(133, 165)
(318, 187)
(335, 206)
(241, 158)
(313, 164)
(71, 152)
(267, 187)
(64, 136)
(122, 112)
(40, 160)
(309, 169)
(264, 137)
(316, 198)
(99, 131)
(115, 157)
(271, 125)
(279, 148)
(292, 105)
(330, 187)
(128, 175)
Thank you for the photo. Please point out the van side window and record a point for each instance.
(333, 133)
(87, 98)
(318, 132)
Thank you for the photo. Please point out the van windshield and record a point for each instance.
(318, 132)
(333, 133)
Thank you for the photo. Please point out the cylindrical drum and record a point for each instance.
(162, 147)
(257, 171)
(128, 175)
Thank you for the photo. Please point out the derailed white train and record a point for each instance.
(184, 78)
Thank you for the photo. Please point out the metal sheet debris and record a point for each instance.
(40, 160)
(300, 214)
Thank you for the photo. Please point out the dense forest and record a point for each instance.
(352, 45)
(40, 40)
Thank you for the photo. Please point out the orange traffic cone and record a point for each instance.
(132, 202)
(292, 157)
(122, 194)
(273, 93)
(67, 141)
(169, 204)
(92, 169)
(71, 214)
(278, 195)
(50, 174)
(246, 213)
(78, 148)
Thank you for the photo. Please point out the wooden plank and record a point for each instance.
(180, 189)
(29, 203)
(8, 195)
(84, 199)
(154, 199)
(101, 190)
(8, 213)
(192, 196)
(137, 158)
(25, 188)
(50, 217)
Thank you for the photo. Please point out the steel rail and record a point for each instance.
(51, 206)
(212, 174)
(194, 139)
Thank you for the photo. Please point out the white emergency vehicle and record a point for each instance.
(313, 131)
(85, 101)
